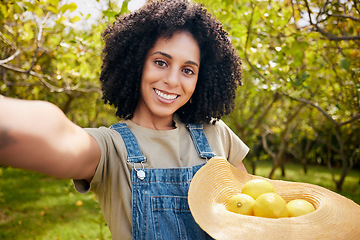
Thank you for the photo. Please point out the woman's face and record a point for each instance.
(169, 76)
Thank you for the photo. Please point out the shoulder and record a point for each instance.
(219, 134)
(219, 127)
(104, 133)
(107, 138)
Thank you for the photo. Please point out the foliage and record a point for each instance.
(301, 95)
(300, 98)
(45, 57)
(300, 101)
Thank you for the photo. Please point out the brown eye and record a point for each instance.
(188, 71)
(160, 63)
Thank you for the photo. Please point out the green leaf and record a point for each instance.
(39, 12)
(72, 7)
(64, 8)
(124, 7)
(75, 19)
(110, 13)
(62, 18)
(54, 2)
(52, 9)
(345, 64)
(29, 6)
(28, 31)
(3, 11)
(300, 79)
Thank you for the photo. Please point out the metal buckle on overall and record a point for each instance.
(206, 157)
(140, 173)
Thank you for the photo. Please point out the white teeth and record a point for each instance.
(165, 96)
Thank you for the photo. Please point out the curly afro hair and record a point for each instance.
(130, 37)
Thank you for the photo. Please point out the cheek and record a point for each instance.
(192, 85)
(147, 76)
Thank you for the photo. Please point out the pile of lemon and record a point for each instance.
(258, 198)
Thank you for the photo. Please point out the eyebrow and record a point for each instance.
(170, 57)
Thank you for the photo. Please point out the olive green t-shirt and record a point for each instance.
(162, 149)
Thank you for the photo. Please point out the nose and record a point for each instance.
(173, 77)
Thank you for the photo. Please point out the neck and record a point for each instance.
(155, 124)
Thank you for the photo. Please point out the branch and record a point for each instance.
(291, 117)
(6, 41)
(264, 142)
(246, 44)
(328, 144)
(334, 37)
(43, 78)
(356, 117)
(308, 11)
(276, 97)
(344, 16)
(330, 36)
(293, 15)
(38, 39)
(339, 124)
(329, 165)
(11, 57)
(356, 7)
(315, 106)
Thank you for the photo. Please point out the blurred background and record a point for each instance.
(298, 109)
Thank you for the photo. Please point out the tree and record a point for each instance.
(44, 57)
(295, 53)
(307, 53)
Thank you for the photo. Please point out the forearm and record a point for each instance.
(5, 139)
(37, 135)
(31, 135)
(22, 126)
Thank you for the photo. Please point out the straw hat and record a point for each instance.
(335, 217)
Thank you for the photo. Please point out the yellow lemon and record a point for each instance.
(299, 207)
(256, 187)
(270, 205)
(241, 203)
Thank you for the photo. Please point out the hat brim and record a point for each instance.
(335, 217)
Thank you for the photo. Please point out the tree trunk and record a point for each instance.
(305, 155)
(253, 165)
(304, 165)
(283, 169)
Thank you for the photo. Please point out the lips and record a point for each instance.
(165, 96)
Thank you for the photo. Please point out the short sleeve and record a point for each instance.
(82, 186)
(234, 149)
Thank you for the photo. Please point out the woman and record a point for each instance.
(171, 72)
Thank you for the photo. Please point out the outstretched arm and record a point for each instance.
(37, 135)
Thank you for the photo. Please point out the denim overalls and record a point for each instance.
(159, 196)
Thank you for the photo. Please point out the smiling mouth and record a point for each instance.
(165, 96)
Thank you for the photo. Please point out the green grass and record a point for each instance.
(34, 206)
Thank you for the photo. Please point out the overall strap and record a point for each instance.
(199, 138)
(132, 147)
